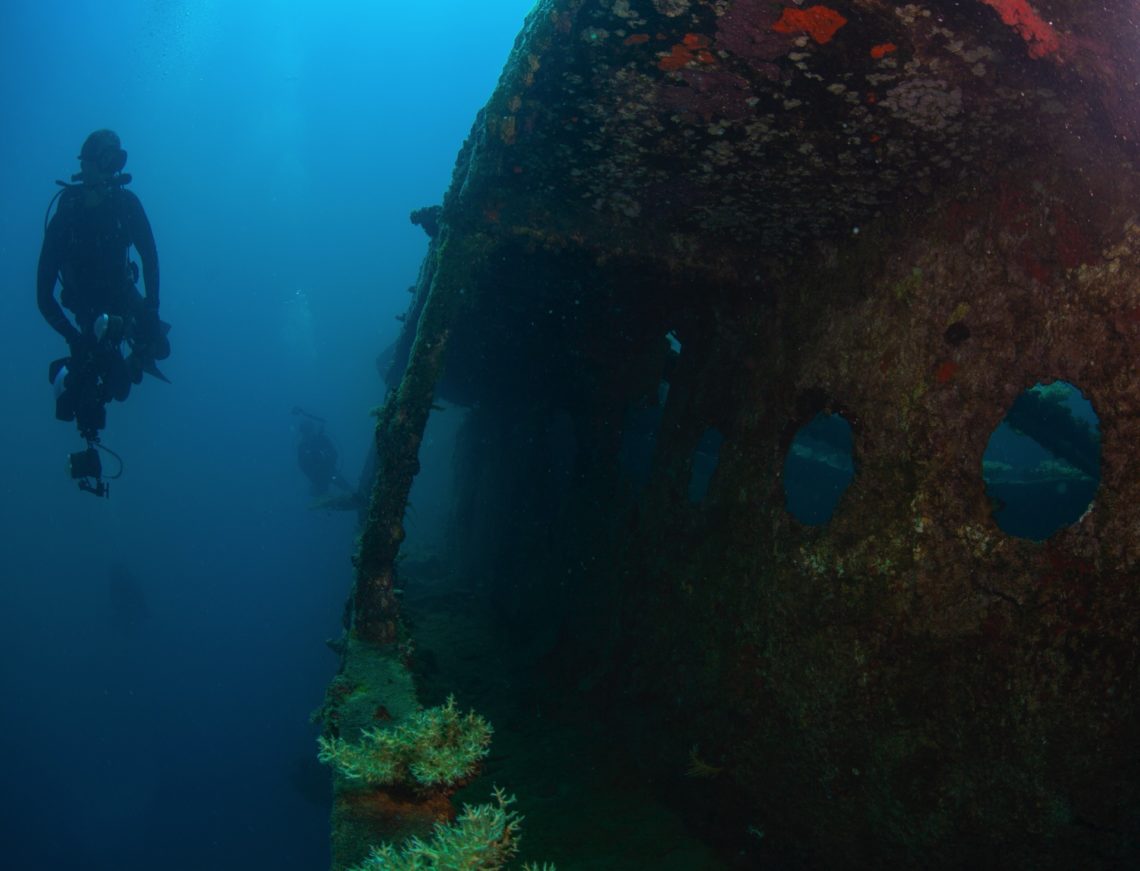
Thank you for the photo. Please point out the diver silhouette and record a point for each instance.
(317, 456)
(86, 249)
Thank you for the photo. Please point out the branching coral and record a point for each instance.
(436, 748)
(483, 838)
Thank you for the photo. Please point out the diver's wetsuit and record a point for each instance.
(86, 245)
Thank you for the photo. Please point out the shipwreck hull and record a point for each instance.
(903, 214)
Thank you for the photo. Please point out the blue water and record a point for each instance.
(278, 148)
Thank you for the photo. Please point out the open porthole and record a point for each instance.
(818, 468)
(1042, 463)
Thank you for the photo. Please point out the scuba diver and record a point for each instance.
(86, 248)
(317, 456)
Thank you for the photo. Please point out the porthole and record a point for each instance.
(1041, 466)
(818, 468)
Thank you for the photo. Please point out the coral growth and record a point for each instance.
(483, 837)
(435, 749)
(1040, 38)
(819, 22)
(694, 47)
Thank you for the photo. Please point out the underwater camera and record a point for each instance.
(85, 464)
(109, 328)
(82, 465)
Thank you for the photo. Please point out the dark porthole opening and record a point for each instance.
(705, 457)
(818, 468)
(1042, 463)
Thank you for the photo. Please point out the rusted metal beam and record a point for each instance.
(399, 431)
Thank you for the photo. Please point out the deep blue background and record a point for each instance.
(278, 148)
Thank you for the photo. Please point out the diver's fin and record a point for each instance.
(161, 345)
(150, 368)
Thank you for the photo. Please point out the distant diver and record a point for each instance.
(317, 456)
(86, 248)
